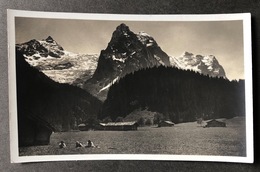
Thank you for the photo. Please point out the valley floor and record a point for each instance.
(181, 139)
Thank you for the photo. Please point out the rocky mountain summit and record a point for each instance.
(126, 52)
(34, 49)
(60, 65)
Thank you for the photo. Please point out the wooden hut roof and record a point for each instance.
(169, 122)
(214, 120)
(118, 123)
(82, 125)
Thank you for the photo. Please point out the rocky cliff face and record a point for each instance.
(126, 52)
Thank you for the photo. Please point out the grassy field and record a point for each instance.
(182, 139)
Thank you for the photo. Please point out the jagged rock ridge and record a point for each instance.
(126, 52)
(45, 48)
(60, 65)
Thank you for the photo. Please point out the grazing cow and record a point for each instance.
(62, 144)
(90, 144)
(78, 144)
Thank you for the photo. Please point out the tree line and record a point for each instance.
(180, 95)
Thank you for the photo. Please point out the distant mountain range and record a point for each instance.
(60, 65)
(207, 65)
(126, 52)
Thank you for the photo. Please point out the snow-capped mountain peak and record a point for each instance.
(126, 52)
(207, 65)
(187, 54)
(50, 44)
(44, 48)
(50, 39)
(122, 31)
(146, 39)
(60, 65)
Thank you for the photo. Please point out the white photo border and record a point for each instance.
(245, 17)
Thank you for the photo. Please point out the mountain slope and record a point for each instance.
(61, 105)
(126, 52)
(60, 65)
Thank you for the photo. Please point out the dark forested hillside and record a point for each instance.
(61, 105)
(179, 95)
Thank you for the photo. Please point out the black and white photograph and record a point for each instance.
(130, 87)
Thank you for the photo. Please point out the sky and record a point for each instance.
(223, 39)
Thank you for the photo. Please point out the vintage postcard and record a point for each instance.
(130, 87)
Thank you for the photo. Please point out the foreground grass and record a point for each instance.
(182, 139)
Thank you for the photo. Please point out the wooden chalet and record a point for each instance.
(82, 127)
(165, 124)
(117, 126)
(215, 123)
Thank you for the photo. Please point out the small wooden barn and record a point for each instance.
(118, 126)
(165, 124)
(215, 123)
(82, 127)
